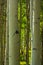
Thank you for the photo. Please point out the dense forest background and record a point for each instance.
(24, 29)
(23, 18)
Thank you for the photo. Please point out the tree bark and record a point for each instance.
(35, 32)
(13, 33)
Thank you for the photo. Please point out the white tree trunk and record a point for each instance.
(13, 33)
(35, 30)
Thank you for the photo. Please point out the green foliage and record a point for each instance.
(24, 21)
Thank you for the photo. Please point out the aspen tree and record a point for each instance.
(13, 33)
(35, 30)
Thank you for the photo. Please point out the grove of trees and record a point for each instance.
(21, 32)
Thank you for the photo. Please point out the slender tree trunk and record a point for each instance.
(20, 19)
(35, 30)
(0, 32)
(13, 33)
(28, 29)
(7, 35)
(1, 44)
(7, 45)
(42, 46)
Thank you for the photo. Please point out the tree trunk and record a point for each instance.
(28, 30)
(35, 30)
(13, 33)
(42, 46)
(7, 36)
